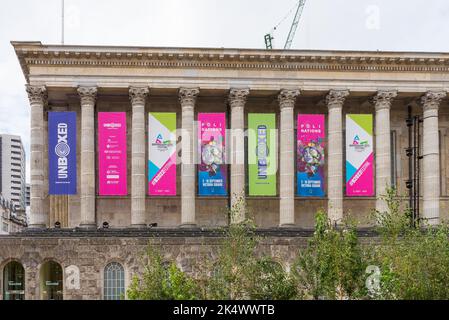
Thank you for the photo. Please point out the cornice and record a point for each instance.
(36, 54)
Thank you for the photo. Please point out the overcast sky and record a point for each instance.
(391, 25)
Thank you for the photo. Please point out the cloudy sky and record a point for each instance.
(392, 25)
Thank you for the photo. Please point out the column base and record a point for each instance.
(187, 226)
(287, 225)
(88, 226)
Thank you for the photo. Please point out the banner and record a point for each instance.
(211, 144)
(262, 154)
(359, 155)
(310, 155)
(61, 153)
(162, 154)
(112, 164)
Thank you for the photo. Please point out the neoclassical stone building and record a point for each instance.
(88, 80)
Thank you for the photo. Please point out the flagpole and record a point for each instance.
(62, 22)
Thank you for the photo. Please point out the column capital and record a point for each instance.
(88, 95)
(287, 97)
(188, 95)
(383, 99)
(237, 97)
(431, 99)
(36, 94)
(138, 95)
(336, 98)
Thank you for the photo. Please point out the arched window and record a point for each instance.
(51, 281)
(114, 281)
(13, 281)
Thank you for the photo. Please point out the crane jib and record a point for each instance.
(291, 34)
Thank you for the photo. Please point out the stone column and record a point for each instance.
(335, 100)
(187, 99)
(431, 157)
(88, 96)
(287, 99)
(138, 97)
(237, 100)
(45, 196)
(38, 97)
(382, 103)
(52, 203)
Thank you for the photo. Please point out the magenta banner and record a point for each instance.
(359, 155)
(162, 154)
(112, 153)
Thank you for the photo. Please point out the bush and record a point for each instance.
(269, 281)
(412, 263)
(161, 283)
(149, 287)
(332, 266)
(236, 259)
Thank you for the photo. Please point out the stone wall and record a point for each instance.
(92, 251)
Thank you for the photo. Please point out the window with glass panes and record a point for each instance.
(114, 281)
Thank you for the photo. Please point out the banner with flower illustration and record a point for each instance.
(310, 155)
(359, 155)
(211, 145)
(162, 154)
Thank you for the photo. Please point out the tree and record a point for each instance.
(160, 282)
(332, 266)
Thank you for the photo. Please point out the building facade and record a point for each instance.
(27, 195)
(361, 100)
(12, 219)
(12, 170)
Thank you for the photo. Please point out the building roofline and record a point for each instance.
(93, 48)
(36, 53)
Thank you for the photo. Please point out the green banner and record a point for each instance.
(262, 154)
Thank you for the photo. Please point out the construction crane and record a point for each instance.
(291, 34)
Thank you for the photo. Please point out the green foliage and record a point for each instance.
(413, 263)
(416, 266)
(332, 266)
(236, 259)
(395, 221)
(269, 281)
(150, 286)
(161, 283)
(178, 286)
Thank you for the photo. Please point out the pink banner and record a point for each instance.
(162, 154)
(359, 155)
(112, 169)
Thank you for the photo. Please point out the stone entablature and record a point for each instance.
(34, 53)
(212, 68)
